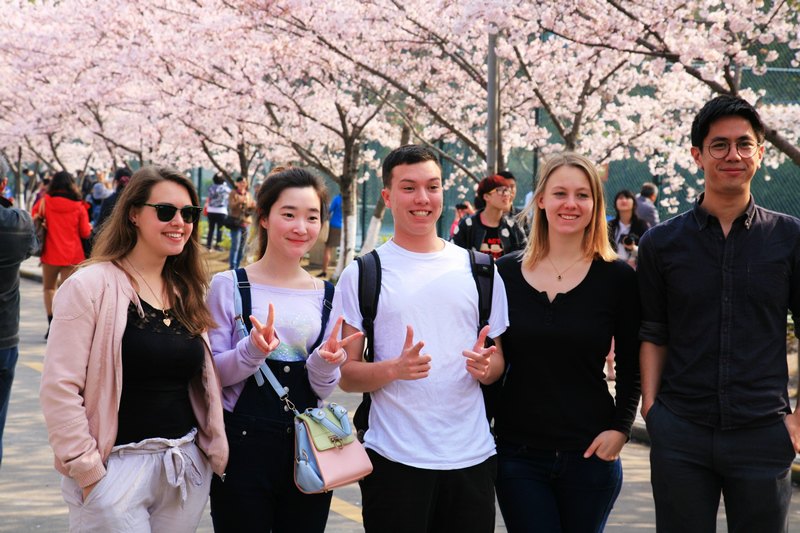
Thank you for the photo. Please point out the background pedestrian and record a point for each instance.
(67, 220)
(240, 209)
(17, 243)
(216, 210)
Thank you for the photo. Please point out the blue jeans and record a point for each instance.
(553, 491)
(238, 244)
(8, 361)
(692, 465)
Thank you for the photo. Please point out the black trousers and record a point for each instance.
(259, 494)
(214, 224)
(403, 499)
(691, 465)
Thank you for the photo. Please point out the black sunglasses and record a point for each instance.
(166, 212)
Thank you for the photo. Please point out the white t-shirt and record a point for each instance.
(438, 422)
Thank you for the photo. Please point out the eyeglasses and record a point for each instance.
(503, 191)
(166, 212)
(721, 149)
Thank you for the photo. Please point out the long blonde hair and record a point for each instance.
(595, 236)
(184, 274)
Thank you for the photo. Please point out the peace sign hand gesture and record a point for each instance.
(263, 336)
(332, 351)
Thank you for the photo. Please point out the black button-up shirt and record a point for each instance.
(719, 304)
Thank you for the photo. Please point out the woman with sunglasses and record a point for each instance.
(130, 392)
(258, 492)
(491, 230)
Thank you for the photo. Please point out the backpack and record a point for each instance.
(242, 305)
(369, 288)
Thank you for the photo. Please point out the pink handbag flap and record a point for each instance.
(342, 466)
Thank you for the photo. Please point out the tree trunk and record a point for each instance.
(347, 186)
(375, 223)
(374, 230)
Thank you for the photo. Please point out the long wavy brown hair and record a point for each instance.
(184, 274)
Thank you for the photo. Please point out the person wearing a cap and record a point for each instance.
(491, 230)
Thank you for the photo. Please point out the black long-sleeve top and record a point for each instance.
(555, 396)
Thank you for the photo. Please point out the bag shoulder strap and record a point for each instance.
(482, 266)
(327, 305)
(369, 291)
(242, 304)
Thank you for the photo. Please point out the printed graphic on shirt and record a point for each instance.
(217, 195)
(492, 244)
(294, 350)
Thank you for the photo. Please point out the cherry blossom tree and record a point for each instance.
(715, 43)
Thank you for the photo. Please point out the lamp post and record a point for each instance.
(492, 107)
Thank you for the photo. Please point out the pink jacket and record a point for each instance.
(82, 376)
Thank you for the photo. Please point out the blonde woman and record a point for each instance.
(130, 393)
(559, 430)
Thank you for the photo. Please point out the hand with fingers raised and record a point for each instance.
(411, 364)
(263, 335)
(332, 350)
(480, 357)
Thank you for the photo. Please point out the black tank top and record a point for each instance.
(158, 361)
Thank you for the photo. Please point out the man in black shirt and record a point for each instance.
(715, 284)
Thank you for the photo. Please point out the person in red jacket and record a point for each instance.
(67, 222)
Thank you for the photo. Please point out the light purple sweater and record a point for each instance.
(297, 325)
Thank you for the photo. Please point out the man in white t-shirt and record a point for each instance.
(428, 438)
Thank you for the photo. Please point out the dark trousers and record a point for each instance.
(403, 499)
(554, 492)
(259, 494)
(8, 362)
(214, 223)
(691, 465)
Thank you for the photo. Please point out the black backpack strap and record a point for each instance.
(369, 289)
(482, 266)
(327, 305)
(243, 284)
(483, 272)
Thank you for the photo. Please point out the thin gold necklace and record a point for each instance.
(559, 275)
(166, 320)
